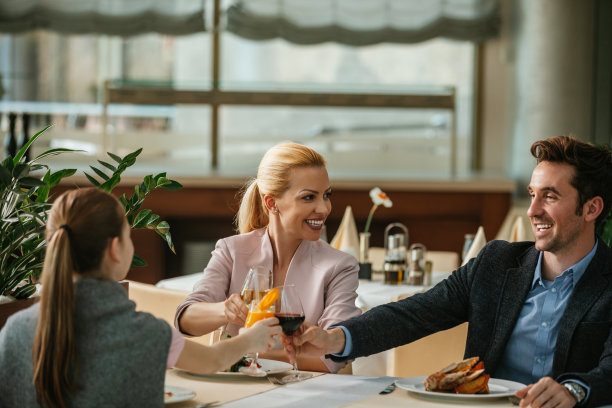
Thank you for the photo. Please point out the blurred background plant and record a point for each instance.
(605, 230)
(25, 200)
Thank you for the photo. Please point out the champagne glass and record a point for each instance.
(260, 304)
(257, 282)
(290, 314)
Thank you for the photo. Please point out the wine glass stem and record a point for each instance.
(296, 373)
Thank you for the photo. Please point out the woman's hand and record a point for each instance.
(235, 310)
(261, 334)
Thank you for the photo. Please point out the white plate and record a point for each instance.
(269, 366)
(497, 388)
(177, 394)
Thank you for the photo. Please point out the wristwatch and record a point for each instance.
(576, 390)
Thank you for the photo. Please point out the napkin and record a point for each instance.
(521, 232)
(479, 242)
(346, 238)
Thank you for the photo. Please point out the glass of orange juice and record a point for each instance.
(259, 310)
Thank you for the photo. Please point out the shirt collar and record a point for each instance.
(577, 270)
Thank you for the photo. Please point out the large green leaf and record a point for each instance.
(25, 147)
(32, 182)
(138, 261)
(53, 152)
(142, 219)
(107, 165)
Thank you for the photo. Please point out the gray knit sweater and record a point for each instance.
(122, 353)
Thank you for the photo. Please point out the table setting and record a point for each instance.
(326, 390)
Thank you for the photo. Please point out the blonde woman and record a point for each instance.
(83, 344)
(280, 220)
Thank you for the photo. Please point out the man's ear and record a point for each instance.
(593, 208)
(113, 249)
(270, 202)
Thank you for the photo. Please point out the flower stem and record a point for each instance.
(369, 220)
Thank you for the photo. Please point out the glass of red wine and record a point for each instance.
(290, 314)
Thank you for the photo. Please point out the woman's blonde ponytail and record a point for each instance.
(252, 214)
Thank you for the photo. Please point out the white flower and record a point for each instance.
(380, 198)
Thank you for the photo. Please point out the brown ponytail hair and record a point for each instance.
(272, 179)
(80, 224)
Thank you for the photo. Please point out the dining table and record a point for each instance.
(370, 293)
(321, 391)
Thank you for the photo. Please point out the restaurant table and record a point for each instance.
(322, 391)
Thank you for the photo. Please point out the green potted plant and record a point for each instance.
(25, 199)
(605, 230)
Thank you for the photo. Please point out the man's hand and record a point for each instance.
(313, 341)
(546, 393)
(235, 310)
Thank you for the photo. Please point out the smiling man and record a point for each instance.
(539, 313)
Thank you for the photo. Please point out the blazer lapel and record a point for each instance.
(516, 285)
(301, 255)
(586, 292)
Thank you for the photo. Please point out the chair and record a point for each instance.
(160, 302)
(377, 258)
(443, 261)
(429, 354)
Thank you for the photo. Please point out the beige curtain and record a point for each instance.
(112, 17)
(364, 22)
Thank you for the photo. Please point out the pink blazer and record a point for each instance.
(326, 278)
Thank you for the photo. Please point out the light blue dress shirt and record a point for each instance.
(531, 347)
(530, 350)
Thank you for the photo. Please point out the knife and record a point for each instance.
(390, 388)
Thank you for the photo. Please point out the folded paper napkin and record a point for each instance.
(479, 242)
(521, 230)
(346, 238)
(506, 229)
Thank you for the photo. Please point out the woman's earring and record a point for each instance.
(275, 211)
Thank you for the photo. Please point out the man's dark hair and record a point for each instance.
(593, 164)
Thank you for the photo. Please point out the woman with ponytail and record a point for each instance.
(279, 222)
(83, 344)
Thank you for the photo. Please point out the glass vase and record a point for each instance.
(364, 247)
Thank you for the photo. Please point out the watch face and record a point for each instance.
(576, 390)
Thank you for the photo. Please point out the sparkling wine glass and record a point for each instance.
(290, 314)
(258, 281)
(256, 295)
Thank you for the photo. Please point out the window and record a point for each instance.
(60, 79)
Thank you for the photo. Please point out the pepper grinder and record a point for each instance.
(416, 274)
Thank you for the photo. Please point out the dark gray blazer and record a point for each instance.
(489, 292)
